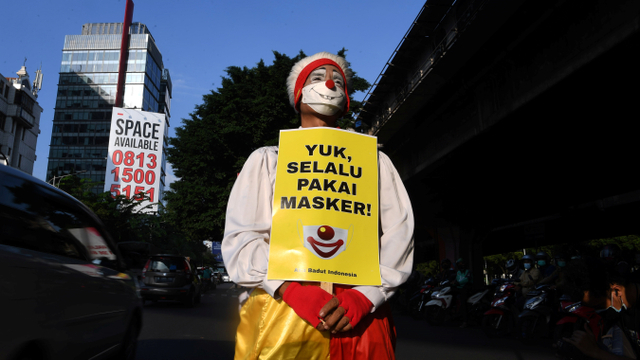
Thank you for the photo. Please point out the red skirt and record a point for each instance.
(270, 330)
(374, 337)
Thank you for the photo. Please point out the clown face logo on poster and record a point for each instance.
(324, 241)
(134, 164)
(325, 208)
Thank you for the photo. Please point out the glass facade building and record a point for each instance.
(87, 92)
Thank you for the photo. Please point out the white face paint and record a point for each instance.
(322, 99)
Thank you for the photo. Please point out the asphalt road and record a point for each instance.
(207, 331)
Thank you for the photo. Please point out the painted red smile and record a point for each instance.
(315, 243)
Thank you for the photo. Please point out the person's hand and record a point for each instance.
(333, 315)
(584, 341)
(345, 311)
(355, 304)
(306, 301)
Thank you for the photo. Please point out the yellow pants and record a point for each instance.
(270, 329)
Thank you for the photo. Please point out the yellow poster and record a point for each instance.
(325, 208)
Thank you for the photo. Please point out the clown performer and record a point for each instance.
(299, 320)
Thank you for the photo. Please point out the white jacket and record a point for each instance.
(245, 247)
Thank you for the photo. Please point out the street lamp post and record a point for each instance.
(52, 181)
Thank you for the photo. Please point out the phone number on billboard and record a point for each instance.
(127, 174)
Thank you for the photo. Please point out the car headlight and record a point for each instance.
(533, 302)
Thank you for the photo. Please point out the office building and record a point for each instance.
(19, 120)
(87, 92)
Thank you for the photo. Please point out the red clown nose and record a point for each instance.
(326, 232)
(330, 84)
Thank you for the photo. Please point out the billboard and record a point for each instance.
(134, 163)
(216, 250)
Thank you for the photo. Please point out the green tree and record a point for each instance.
(210, 148)
(629, 246)
(121, 216)
(428, 268)
(125, 221)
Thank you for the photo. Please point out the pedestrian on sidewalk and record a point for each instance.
(463, 283)
(206, 278)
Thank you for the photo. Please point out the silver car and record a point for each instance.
(64, 291)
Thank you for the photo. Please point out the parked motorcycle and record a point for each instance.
(574, 315)
(539, 313)
(444, 305)
(418, 301)
(499, 320)
(437, 307)
(480, 302)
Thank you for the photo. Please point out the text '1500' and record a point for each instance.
(138, 169)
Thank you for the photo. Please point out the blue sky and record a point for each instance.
(198, 39)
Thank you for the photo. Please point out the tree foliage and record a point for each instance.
(428, 268)
(629, 247)
(245, 113)
(120, 215)
(125, 221)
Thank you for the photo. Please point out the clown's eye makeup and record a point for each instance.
(318, 75)
(337, 78)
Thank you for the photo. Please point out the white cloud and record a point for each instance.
(170, 177)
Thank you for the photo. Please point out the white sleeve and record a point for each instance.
(245, 247)
(396, 240)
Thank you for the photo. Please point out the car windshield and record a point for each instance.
(165, 264)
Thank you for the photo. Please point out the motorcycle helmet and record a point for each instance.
(542, 258)
(560, 259)
(512, 266)
(528, 257)
(541, 255)
(528, 261)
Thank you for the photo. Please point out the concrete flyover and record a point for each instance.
(513, 123)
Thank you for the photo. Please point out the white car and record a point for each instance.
(226, 278)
